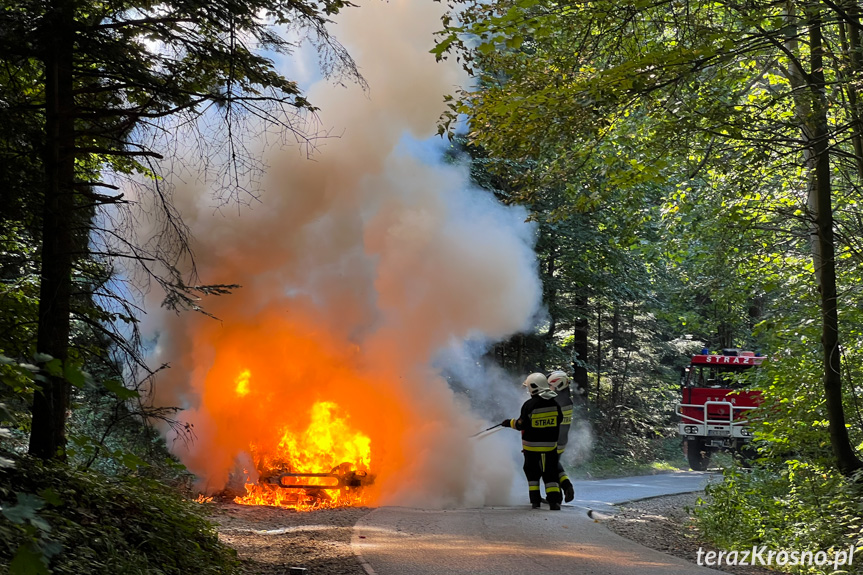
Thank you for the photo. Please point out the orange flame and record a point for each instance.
(285, 392)
(338, 458)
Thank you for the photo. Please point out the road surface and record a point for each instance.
(519, 540)
(604, 494)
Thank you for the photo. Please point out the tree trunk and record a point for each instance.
(630, 346)
(48, 434)
(579, 343)
(724, 330)
(615, 344)
(850, 41)
(551, 297)
(755, 311)
(519, 365)
(816, 131)
(598, 351)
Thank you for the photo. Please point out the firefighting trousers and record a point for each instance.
(562, 477)
(542, 465)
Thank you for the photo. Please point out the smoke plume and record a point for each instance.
(358, 267)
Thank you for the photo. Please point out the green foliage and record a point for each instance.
(793, 419)
(72, 521)
(792, 506)
(104, 404)
(37, 549)
(680, 137)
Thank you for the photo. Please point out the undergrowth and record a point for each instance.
(794, 506)
(628, 456)
(56, 519)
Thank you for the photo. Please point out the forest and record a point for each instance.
(695, 171)
(692, 173)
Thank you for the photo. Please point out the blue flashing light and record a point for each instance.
(705, 351)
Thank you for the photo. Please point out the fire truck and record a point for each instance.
(714, 404)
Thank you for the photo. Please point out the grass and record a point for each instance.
(662, 455)
(613, 458)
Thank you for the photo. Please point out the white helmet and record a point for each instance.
(536, 383)
(558, 380)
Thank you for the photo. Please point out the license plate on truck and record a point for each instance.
(721, 432)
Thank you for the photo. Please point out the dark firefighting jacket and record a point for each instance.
(539, 424)
(564, 400)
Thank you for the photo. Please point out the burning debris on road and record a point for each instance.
(300, 472)
(342, 487)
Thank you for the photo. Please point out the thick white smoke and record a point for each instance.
(370, 245)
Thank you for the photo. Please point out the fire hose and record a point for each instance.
(485, 430)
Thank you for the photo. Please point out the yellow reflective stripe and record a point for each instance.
(512, 423)
(537, 449)
(545, 410)
(533, 487)
(552, 489)
(546, 445)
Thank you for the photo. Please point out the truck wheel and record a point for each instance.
(697, 454)
(745, 456)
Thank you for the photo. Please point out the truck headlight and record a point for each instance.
(745, 432)
(690, 429)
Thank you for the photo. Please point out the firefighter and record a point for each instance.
(558, 381)
(539, 424)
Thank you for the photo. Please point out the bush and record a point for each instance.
(60, 520)
(792, 506)
(630, 455)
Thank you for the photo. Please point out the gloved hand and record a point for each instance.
(506, 423)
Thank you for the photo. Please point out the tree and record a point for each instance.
(647, 91)
(99, 81)
(598, 297)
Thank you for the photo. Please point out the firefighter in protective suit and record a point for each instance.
(539, 424)
(558, 381)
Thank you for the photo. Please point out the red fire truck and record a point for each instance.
(714, 404)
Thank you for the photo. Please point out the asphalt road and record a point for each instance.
(520, 540)
(604, 494)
